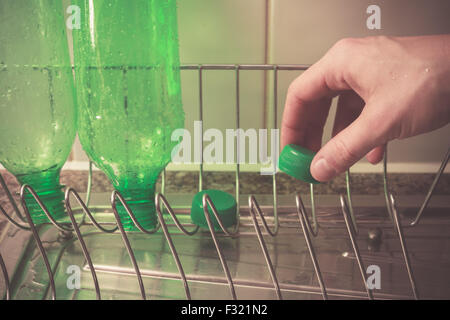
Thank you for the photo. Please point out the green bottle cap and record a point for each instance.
(224, 203)
(296, 162)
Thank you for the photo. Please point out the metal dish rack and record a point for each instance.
(174, 222)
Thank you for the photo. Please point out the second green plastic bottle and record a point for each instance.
(129, 95)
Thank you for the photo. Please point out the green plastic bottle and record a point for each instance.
(129, 95)
(37, 109)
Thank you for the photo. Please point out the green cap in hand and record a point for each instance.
(296, 162)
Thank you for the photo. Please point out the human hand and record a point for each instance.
(389, 88)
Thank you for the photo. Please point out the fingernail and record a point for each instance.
(322, 170)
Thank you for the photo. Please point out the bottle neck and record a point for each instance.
(46, 185)
(142, 205)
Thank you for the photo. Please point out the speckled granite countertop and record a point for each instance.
(253, 183)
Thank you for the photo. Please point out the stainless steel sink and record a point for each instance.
(428, 246)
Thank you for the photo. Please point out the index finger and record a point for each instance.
(308, 101)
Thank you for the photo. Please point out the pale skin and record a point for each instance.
(388, 87)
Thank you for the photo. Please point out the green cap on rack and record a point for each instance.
(296, 162)
(224, 203)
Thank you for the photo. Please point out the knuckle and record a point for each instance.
(293, 92)
(344, 45)
(291, 88)
(382, 39)
(344, 57)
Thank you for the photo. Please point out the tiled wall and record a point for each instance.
(294, 32)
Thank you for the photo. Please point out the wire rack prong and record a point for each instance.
(315, 229)
(6, 278)
(116, 195)
(161, 200)
(200, 111)
(76, 227)
(350, 202)
(11, 200)
(25, 188)
(306, 228)
(424, 205)
(206, 202)
(431, 190)
(14, 205)
(10, 219)
(86, 211)
(386, 184)
(398, 226)
(125, 239)
(36, 235)
(276, 145)
(89, 185)
(352, 235)
(170, 242)
(301, 208)
(253, 206)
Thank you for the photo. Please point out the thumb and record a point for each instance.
(346, 148)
